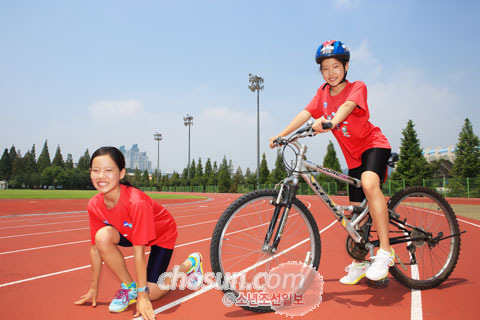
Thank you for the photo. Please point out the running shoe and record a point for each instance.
(123, 298)
(381, 263)
(355, 272)
(195, 273)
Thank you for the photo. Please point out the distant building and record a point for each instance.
(440, 154)
(134, 159)
(3, 184)
(446, 158)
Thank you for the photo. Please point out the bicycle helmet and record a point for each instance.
(332, 49)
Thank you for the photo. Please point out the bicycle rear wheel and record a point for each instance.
(425, 263)
(238, 238)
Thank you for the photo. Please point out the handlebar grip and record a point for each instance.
(278, 142)
(326, 125)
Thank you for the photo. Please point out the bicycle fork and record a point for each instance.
(280, 203)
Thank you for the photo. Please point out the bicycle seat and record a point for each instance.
(392, 161)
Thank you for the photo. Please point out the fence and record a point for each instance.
(452, 187)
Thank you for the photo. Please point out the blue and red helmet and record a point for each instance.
(332, 49)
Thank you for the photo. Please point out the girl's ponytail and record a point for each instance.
(125, 182)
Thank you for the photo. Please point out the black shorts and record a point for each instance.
(157, 262)
(375, 160)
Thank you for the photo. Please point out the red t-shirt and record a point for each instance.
(355, 134)
(136, 216)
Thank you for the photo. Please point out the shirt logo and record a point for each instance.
(325, 105)
(342, 127)
(126, 224)
(105, 221)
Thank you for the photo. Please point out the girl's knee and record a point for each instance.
(370, 183)
(105, 236)
(155, 292)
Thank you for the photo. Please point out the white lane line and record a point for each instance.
(416, 312)
(34, 234)
(473, 224)
(45, 247)
(41, 220)
(39, 214)
(42, 224)
(208, 288)
(196, 224)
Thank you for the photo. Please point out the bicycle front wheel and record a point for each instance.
(237, 247)
(425, 263)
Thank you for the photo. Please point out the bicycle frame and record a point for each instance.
(303, 169)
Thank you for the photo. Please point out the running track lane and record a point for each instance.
(52, 297)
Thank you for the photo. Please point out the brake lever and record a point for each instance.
(280, 141)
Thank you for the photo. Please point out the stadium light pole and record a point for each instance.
(158, 137)
(256, 84)
(188, 121)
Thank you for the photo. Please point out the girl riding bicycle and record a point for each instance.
(365, 148)
(121, 215)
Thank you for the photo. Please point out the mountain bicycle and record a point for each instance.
(265, 228)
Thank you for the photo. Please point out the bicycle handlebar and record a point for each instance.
(307, 131)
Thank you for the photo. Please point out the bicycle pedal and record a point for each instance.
(380, 284)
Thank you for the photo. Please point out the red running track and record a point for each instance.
(44, 267)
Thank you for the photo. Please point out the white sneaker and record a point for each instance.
(356, 272)
(381, 263)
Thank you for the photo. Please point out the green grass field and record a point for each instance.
(76, 194)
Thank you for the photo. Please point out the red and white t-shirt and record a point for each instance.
(136, 216)
(355, 134)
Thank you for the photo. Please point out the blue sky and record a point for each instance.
(84, 74)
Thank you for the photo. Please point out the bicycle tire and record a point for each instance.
(246, 201)
(426, 209)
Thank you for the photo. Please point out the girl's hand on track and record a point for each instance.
(144, 308)
(91, 295)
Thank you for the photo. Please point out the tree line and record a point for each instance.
(29, 172)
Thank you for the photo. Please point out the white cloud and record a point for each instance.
(231, 116)
(363, 64)
(115, 110)
(409, 94)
